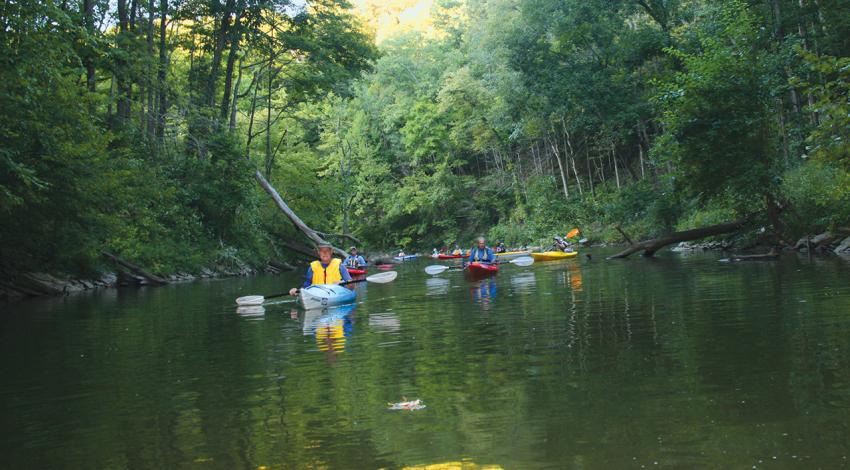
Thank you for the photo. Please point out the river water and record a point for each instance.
(680, 361)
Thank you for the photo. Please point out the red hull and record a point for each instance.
(482, 269)
(356, 272)
(449, 256)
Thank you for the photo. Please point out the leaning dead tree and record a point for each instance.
(313, 235)
(649, 247)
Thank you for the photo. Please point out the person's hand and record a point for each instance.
(293, 292)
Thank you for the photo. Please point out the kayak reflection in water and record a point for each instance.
(484, 292)
(326, 270)
(331, 327)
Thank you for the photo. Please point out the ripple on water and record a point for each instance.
(679, 360)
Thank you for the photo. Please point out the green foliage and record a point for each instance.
(88, 163)
(819, 197)
(830, 139)
(715, 109)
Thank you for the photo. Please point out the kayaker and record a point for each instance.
(325, 270)
(500, 248)
(481, 252)
(354, 260)
(457, 250)
(561, 245)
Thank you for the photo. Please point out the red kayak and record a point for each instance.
(384, 267)
(449, 256)
(356, 272)
(482, 268)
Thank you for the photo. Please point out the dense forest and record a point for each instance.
(143, 128)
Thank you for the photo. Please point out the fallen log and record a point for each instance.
(305, 229)
(150, 277)
(340, 235)
(649, 247)
(299, 248)
(624, 234)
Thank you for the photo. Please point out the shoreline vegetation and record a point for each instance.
(28, 285)
(229, 137)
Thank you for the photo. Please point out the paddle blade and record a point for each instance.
(251, 300)
(572, 233)
(435, 269)
(523, 261)
(383, 278)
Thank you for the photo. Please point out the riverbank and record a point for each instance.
(39, 284)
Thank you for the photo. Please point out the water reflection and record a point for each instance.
(574, 277)
(483, 292)
(251, 311)
(436, 286)
(331, 327)
(384, 322)
(524, 282)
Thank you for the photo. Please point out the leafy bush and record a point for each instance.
(818, 196)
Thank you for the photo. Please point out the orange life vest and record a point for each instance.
(329, 275)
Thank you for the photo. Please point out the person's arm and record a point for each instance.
(490, 255)
(362, 261)
(308, 278)
(470, 256)
(343, 271)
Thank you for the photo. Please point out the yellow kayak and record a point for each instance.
(508, 254)
(553, 255)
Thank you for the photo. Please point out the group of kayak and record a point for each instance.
(325, 279)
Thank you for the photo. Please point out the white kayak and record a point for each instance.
(326, 295)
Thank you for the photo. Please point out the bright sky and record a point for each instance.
(388, 17)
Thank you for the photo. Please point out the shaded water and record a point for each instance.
(679, 361)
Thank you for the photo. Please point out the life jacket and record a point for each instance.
(351, 262)
(329, 275)
(478, 254)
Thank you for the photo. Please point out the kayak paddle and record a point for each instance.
(437, 269)
(380, 278)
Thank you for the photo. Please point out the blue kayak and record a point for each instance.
(326, 295)
(405, 258)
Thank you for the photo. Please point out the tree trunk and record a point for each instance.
(232, 122)
(589, 173)
(150, 121)
(649, 247)
(161, 74)
(556, 153)
(88, 61)
(218, 51)
(307, 231)
(235, 37)
(614, 162)
(121, 84)
(269, 156)
(136, 269)
(570, 152)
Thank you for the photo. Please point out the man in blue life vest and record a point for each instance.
(325, 270)
(354, 260)
(481, 252)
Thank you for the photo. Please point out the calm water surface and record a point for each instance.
(680, 361)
